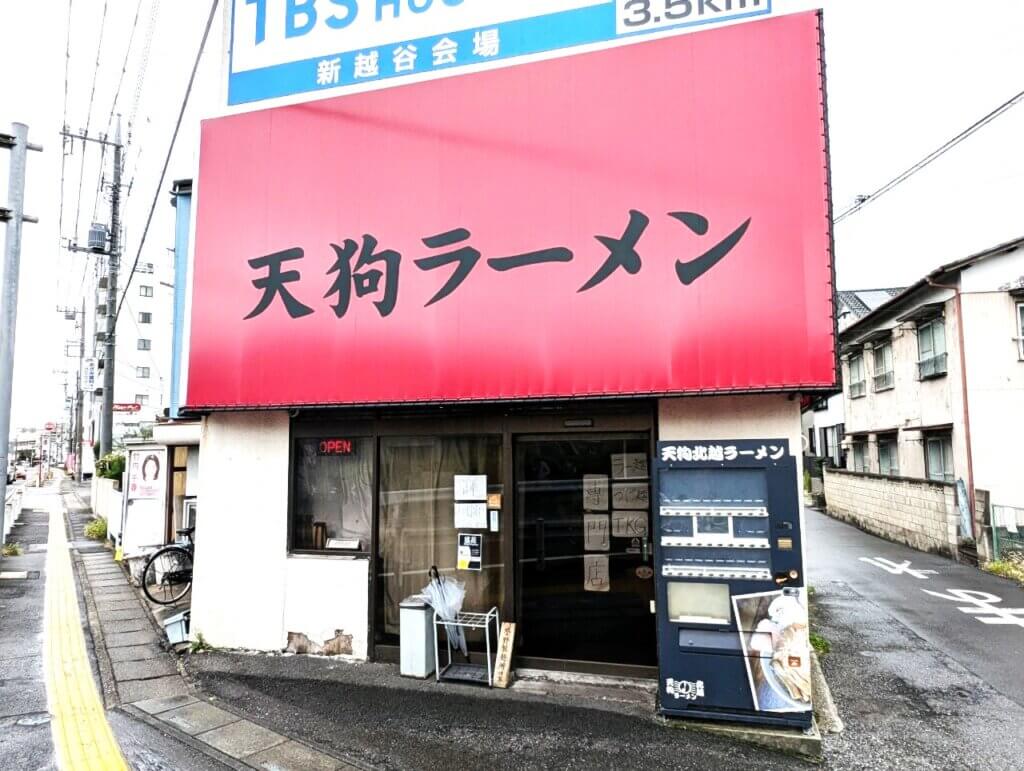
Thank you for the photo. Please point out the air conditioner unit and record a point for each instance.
(98, 237)
(101, 310)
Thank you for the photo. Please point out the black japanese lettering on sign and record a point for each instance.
(376, 271)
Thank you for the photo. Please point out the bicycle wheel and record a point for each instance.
(168, 575)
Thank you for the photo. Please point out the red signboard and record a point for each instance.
(126, 407)
(647, 219)
(335, 447)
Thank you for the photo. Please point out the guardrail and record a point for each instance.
(12, 508)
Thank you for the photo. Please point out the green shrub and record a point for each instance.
(820, 644)
(11, 550)
(96, 529)
(110, 466)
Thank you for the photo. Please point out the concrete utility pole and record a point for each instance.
(14, 216)
(77, 431)
(113, 261)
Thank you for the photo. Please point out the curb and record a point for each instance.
(190, 741)
(825, 711)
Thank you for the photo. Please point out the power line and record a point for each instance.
(862, 201)
(167, 159)
(88, 115)
(113, 107)
(64, 124)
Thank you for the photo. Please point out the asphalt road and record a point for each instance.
(994, 652)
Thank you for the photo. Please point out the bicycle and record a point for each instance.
(168, 574)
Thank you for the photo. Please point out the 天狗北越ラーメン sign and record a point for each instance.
(284, 48)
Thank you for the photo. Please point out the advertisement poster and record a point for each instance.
(773, 632)
(469, 553)
(146, 471)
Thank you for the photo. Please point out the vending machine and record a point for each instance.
(731, 598)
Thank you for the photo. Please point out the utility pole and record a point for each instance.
(77, 401)
(14, 216)
(113, 262)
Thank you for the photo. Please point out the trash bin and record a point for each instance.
(416, 637)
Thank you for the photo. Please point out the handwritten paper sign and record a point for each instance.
(595, 532)
(503, 669)
(595, 492)
(470, 487)
(629, 465)
(629, 524)
(595, 573)
(631, 495)
(471, 515)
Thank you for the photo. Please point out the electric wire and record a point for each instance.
(933, 155)
(167, 159)
(64, 139)
(113, 108)
(88, 116)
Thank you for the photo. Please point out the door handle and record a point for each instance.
(540, 543)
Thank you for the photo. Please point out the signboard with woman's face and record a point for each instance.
(146, 473)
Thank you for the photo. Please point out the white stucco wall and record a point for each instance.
(248, 593)
(995, 375)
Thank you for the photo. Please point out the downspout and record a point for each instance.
(963, 387)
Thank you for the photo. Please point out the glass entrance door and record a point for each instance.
(584, 556)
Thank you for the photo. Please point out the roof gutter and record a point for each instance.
(963, 388)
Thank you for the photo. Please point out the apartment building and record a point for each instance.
(933, 390)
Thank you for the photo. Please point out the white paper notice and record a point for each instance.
(595, 492)
(471, 516)
(494, 520)
(631, 495)
(470, 487)
(629, 465)
(629, 524)
(595, 573)
(595, 532)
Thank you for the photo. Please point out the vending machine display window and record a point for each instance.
(698, 603)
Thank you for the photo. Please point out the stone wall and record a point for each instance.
(917, 512)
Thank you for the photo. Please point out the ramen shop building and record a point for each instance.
(530, 276)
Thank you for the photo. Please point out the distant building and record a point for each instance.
(823, 421)
(933, 395)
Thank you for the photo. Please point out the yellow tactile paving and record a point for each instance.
(81, 734)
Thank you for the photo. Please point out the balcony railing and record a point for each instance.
(857, 389)
(933, 367)
(884, 381)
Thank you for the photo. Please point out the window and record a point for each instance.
(1020, 331)
(145, 267)
(810, 441)
(144, 344)
(860, 455)
(145, 290)
(857, 385)
(938, 457)
(884, 379)
(888, 455)
(332, 494)
(142, 372)
(141, 399)
(931, 349)
(145, 317)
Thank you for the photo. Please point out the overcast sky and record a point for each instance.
(903, 77)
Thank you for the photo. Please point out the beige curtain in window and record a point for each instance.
(417, 518)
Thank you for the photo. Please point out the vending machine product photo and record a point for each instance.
(731, 596)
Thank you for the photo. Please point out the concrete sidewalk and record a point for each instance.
(141, 677)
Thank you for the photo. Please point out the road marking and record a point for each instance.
(900, 568)
(982, 606)
(81, 734)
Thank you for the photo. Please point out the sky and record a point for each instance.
(903, 77)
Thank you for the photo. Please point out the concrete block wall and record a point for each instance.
(917, 512)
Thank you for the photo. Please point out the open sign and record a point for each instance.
(335, 447)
